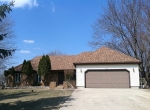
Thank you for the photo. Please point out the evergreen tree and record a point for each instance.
(30, 68)
(12, 71)
(4, 9)
(40, 66)
(44, 65)
(27, 68)
(24, 62)
(48, 64)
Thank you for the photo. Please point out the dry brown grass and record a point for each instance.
(39, 99)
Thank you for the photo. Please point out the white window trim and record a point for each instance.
(38, 78)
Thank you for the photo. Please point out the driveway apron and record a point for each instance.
(108, 99)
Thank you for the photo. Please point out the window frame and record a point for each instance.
(38, 78)
(17, 77)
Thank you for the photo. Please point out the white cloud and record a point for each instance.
(28, 41)
(22, 3)
(35, 3)
(25, 51)
(52, 7)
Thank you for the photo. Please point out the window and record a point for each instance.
(38, 78)
(17, 77)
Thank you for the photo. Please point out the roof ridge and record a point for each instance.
(101, 55)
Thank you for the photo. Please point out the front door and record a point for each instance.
(60, 77)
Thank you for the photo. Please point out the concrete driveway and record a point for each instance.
(108, 99)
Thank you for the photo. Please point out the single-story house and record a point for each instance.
(103, 68)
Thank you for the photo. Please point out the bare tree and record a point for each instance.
(2, 78)
(56, 53)
(7, 45)
(5, 63)
(125, 26)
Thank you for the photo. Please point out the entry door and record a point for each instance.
(60, 77)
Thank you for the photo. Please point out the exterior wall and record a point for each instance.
(132, 68)
(29, 81)
(24, 80)
(52, 77)
(10, 81)
(69, 80)
(70, 72)
(50, 80)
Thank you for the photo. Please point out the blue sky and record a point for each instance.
(42, 26)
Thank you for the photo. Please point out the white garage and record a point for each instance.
(106, 68)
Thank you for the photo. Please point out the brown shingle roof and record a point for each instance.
(107, 55)
(18, 68)
(63, 62)
(102, 55)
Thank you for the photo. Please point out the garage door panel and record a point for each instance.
(107, 79)
(98, 85)
(120, 86)
(124, 82)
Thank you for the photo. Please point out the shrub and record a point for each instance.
(69, 76)
(6, 73)
(10, 71)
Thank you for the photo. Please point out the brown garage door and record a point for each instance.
(107, 79)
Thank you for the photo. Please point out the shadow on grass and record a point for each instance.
(67, 103)
(16, 95)
(41, 104)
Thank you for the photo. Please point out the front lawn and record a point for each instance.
(39, 99)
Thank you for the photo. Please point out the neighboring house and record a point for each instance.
(103, 68)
